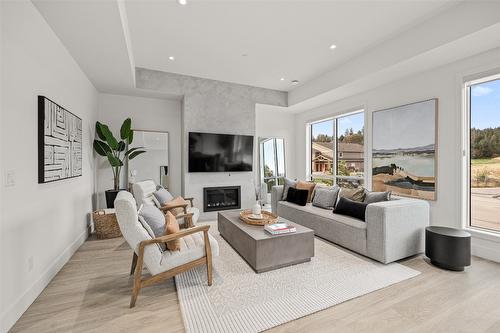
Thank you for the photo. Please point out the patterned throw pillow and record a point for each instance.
(163, 196)
(153, 220)
(320, 185)
(301, 185)
(371, 197)
(288, 183)
(325, 197)
(354, 194)
(172, 227)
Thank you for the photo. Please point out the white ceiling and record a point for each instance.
(287, 39)
(92, 31)
(378, 41)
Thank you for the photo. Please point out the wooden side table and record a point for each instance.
(447, 248)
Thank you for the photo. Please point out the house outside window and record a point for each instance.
(337, 151)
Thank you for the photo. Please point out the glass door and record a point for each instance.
(484, 154)
(272, 162)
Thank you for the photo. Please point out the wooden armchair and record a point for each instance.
(190, 199)
(166, 264)
(138, 260)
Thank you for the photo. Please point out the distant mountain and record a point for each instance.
(420, 149)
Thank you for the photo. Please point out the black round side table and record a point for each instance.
(447, 248)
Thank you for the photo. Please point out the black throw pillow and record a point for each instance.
(351, 208)
(298, 197)
(290, 196)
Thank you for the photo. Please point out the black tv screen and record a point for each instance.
(210, 152)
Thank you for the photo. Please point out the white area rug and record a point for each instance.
(242, 301)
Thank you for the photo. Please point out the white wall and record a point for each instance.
(278, 124)
(444, 83)
(146, 114)
(42, 225)
(2, 326)
(215, 107)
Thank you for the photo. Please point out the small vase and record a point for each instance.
(256, 209)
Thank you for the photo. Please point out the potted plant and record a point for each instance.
(108, 146)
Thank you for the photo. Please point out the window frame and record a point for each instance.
(334, 119)
(466, 152)
(309, 175)
(276, 176)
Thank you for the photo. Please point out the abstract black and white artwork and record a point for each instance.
(59, 142)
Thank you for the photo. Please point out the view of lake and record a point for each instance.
(419, 165)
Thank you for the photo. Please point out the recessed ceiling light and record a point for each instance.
(182, 2)
(282, 79)
(294, 82)
(171, 58)
(333, 46)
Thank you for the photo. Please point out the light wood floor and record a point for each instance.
(92, 292)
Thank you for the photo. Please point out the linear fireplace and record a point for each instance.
(221, 198)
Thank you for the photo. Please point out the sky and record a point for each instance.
(354, 121)
(485, 105)
(407, 126)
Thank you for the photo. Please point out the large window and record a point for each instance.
(484, 162)
(322, 147)
(337, 150)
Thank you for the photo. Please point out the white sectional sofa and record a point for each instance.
(393, 229)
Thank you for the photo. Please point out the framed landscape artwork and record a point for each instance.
(404, 150)
(59, 142)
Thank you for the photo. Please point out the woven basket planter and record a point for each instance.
(106, 225)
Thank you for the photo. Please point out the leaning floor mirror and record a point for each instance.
(153, 165)
(272, 165)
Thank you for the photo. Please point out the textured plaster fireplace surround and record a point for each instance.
(215, 107)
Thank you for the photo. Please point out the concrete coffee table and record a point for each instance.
(261, 250)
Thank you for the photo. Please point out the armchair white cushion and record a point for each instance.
(192, 248)
(143, 194)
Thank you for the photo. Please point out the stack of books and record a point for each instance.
(279, 228)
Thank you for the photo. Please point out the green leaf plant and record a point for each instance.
(106, 145)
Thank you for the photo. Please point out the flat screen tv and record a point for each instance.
(209, 152)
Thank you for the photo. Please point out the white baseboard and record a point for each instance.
(485, 246)
(486, 253)
(12, 314)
